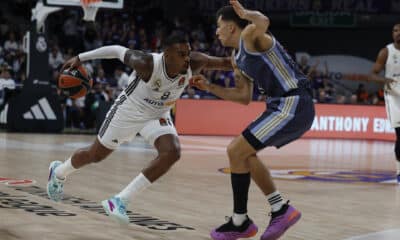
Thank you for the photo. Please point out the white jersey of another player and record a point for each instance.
(392, 96)
(159, 94)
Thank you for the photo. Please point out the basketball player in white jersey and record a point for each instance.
(389, 60)
(143, 107)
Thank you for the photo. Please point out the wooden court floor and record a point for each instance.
(345, 190)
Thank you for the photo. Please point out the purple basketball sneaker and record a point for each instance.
(229, 231)
(280, 222)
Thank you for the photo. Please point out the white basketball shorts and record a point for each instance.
(122, 124)
(392, 102)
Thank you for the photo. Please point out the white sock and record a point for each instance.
(138, 184)
(64, 169)
(275, 200)
(238, 219)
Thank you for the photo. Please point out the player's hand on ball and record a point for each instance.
(388, 83)
(71, 63)
(199, 82)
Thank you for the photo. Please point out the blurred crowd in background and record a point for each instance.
(68, 36)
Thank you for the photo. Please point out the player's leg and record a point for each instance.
(162, 134)
(392, 103)
(275, 127)
(241, 151)
(114, 206)
(397, 152)
(169, 152)
(81, 157)
(58, 171)
(239, 225)
(283, 215)
(283, 122)
(113, 132)
(243, 159)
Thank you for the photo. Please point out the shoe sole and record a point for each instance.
(293, 218)
(250, 234)
(48, 182)
(104, 204)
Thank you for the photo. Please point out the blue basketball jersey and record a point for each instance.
(273, 72)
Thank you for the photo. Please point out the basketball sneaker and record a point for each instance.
(115, 208)
(280, 222)
(55, 186)
(229, 231)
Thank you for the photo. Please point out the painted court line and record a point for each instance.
(392, 234)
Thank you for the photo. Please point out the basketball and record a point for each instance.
(75, 82)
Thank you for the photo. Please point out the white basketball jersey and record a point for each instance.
(153, 98)
(392, 96)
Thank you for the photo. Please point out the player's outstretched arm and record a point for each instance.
(138, 60)
(242, 92)
(107, 52)
(200, 61)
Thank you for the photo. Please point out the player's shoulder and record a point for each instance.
(138, 59)
(158, 72)
(385, 50)
(142, 62)
(259, 43)
(157, 57)
(389, 45)
(382, 55)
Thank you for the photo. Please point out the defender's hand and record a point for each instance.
(71, 63)
(199, 82)
(239, 9)
(233, 60)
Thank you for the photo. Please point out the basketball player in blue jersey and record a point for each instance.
(259, 61)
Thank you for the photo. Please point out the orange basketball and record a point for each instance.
(75, 82)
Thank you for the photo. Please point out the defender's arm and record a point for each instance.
(200, 61)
